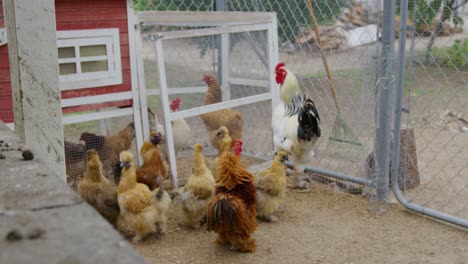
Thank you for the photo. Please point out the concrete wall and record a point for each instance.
(44, 221)
(32, 51)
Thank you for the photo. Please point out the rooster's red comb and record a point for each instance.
(279, 65)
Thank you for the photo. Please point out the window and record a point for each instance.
(88, 58)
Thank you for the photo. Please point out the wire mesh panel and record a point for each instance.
(107, 136)
(199, 78)
(349, 34)
(434, 96)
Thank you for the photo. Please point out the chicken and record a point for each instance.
(97, 190)
(231, 119)
(75, 161)
(295, 121)
(271, 187)
(144, 211)
(109, 147)
(181, 131)
(232, 211)
(198, 191)
(154, 123)
(152, 172)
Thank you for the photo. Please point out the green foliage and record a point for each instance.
(455, 56)
(458, 21)
(424, 11)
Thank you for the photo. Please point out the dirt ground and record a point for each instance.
(323, 226)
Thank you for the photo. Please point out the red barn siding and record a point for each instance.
(6, 102)
(78, 15)
(2, 20)
(95, 14)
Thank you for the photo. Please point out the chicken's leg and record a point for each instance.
(301, 186)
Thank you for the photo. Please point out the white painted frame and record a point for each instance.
(79, 38)
(226, 22)
(133, 34)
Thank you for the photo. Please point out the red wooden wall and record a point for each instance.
(76, 15)
(6, 105)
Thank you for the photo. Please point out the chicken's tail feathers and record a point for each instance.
(309, 121)
(228, 213)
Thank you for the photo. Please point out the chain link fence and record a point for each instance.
(434, 102)
(432, 159)
(349, 34)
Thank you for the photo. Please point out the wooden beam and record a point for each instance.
(191, 18)
(32, 49)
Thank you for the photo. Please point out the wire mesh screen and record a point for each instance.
(349, 34)
(435, 97)
(107, 136)
(206, 70)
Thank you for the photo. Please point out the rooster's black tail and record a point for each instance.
(309, 121)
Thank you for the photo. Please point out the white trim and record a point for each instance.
(273, 59)
(212, 31)
(79, 38)
(95, 99)
(133, 35)
(167, 112)
(225, 68)
(190, 18)
(196, 111)
(10, 126)
(181, 90)
(273, 56)
(97, 116)
(250, 82)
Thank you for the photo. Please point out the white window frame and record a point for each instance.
(79, 38)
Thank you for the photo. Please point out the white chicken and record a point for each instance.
(295, 122)
(181, 131)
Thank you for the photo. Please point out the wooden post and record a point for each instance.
(32, 50)
(408, 174)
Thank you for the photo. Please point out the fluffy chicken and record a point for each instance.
(75, 161)
(296, 121)
(109, 147)
(231, 119)
(144, 211)
(97, 190)
(181, 131)
(271, 186)
(232, 211)
(153, 171)
(198, 191)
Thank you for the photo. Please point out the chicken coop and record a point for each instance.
(97, 81)
(220, 66)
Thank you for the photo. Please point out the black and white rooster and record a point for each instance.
(296, 121)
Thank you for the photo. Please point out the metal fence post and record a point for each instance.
(384, 86)
(220, 5)
(397, 125)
